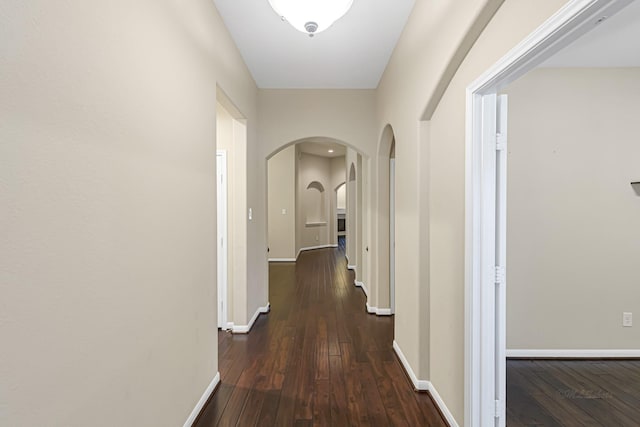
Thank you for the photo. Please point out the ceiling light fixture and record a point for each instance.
(331, 151)
(311, 16)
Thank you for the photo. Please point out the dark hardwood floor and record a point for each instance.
(317, 359)
(573, 393)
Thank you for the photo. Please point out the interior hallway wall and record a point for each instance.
(281, 197)
(573, 231)
(344, 115)
(108, 195)
(443, 33)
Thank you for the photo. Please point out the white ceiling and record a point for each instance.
(321, 148)
(351, 54)
(614, 42)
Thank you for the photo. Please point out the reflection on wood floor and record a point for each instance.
(317, 359)
(573, 393)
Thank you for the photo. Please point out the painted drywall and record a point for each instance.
(341, 195)
(107, 188)
(347, 116)
(430, 162)
(291, 115)
(572, 229)
(282, 192)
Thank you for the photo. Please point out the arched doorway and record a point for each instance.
(290, 170)
(385, 224)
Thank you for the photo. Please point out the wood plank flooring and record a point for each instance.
(572, 393)
(317, 359)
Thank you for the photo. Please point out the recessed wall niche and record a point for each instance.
(315, 204)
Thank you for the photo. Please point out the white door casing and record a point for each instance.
(392, 235)
(485, 205)
(221, 178)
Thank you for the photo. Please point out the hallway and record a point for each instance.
(317, 359)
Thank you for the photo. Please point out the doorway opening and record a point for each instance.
(221, 181)
(316, 193)
(341, 215)
(486, 173)
(392, 227)
(231, 155)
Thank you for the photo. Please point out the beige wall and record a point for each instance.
(344, 115)
(292, 115)
(341, 197)
(436, 148)
(572, 215)
(282, 192)
(107, 188)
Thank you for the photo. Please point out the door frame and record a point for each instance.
(482, 319)
(221, 240)
(392, 234)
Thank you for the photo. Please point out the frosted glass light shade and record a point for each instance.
(311, 16)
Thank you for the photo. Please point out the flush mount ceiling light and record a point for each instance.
(331, 151)
(311, 16)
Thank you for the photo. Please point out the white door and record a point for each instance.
(392, 235)
(221, 168)
(501, 259)
(492, 351)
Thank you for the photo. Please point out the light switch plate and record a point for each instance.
(627, 320)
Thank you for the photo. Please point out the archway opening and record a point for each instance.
(302, 218)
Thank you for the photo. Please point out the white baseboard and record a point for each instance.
(282, 260)
(422, 385)
(419, 385)
(378, 311)
(203, 400)
(363, 286)
(371, 309)
(311, 248)
(229, 326)
(577, 354)
(244, 329)
(351, 267)
(442, 406)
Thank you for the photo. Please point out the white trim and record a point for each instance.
(378, 311)
(311, 248)
(442, 406)
(371, 309)
(423, 385)
(570, 22)
(229, 326)
(419, 385)
(363, 286)
(578, 354)
(351, 267)
(244, 329)
(282, 260)
(222, 239)
(203, 400)
(392, 233)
